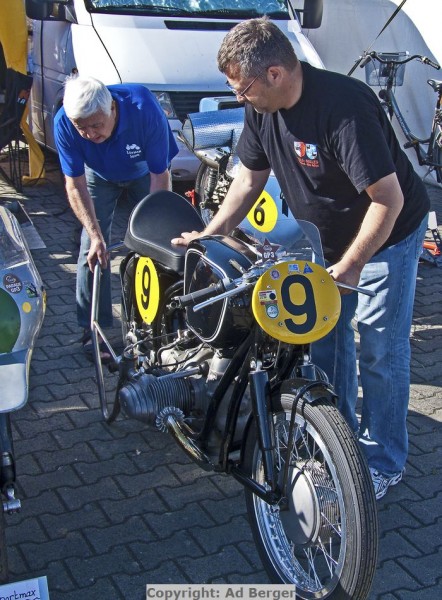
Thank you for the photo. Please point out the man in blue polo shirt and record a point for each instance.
(109, 139)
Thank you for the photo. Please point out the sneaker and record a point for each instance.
(382, 482)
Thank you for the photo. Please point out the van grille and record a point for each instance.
(188, 102)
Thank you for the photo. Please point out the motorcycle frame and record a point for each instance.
(245, 368)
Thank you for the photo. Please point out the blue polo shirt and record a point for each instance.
(141, 143)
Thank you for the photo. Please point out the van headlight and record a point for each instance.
(166, 104)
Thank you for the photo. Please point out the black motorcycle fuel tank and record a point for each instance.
(225, 323)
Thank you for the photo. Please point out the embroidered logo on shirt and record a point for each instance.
(300, 149)
(307, 154)
(133, 150)
(311, 151)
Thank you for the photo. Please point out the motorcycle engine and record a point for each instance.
(178, 379)
(185, 379)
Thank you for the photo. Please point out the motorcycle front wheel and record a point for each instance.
(325, 541)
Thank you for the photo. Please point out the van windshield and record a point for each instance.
(221, 9)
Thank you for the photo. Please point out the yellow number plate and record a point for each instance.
(296, 302)
(147, 289)
(264, 213)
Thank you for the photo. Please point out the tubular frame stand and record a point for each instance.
(96, 333)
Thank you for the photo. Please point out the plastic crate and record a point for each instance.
(377, 74)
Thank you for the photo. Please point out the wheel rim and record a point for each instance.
(306, 543)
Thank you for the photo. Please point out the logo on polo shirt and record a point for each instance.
(307, 154)
(133, 150)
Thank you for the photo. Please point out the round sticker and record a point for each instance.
(305, 299)
(272, 311)
(264, 213)
(147, 289)
(26, 307)
(12, 283)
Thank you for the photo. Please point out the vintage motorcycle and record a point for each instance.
(22, 308)
(217, 355)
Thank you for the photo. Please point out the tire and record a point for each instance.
(200, 185)
(208, 205)
(330, 549)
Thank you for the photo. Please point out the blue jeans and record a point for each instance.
(384, 325)
(105, 195)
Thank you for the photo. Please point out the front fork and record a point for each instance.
(260, 396)
(259, 389)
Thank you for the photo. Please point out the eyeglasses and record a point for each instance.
(246, 89)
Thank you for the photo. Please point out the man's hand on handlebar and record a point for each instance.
(346, 274)
(98, 252)
(186, 238)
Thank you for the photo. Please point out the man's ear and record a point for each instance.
(274, 75)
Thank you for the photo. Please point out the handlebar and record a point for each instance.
(374, 55)
(227, 288)
(208, 292)
(355, 288)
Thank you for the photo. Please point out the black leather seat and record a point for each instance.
(157, 219)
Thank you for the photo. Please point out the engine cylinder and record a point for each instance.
(145, 397)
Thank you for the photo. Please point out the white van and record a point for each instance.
(168, 45)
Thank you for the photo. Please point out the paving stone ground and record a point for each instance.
(110, 508)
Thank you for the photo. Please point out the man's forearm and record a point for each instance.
(378, 223)
(82, 206)
(379, 220)
(162, 181)
(375, 230)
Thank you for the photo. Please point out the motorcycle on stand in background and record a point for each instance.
(22, 308)
(212, 135)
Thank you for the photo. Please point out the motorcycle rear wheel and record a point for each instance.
(205, 204)
(325, 544)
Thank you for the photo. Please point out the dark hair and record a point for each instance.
(254, 45)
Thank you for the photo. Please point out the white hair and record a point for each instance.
(85, 96)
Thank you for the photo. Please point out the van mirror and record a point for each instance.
(37, 9)
(55, 10)
(310, 15)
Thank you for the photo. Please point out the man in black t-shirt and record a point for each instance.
(340, 166)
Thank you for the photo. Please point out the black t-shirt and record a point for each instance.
(326, 150)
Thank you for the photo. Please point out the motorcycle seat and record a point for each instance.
(157, 219)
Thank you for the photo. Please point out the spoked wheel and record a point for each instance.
(325, 541)
(210, 189)
(437, 152)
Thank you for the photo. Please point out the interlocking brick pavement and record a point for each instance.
(107, 509)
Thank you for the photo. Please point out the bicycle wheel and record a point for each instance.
(325, 544)
(436, 152)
